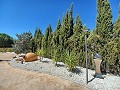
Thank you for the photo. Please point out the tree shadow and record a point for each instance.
(104, 72)
(76, 70)
(45, 61)
(59, 65)
(4, 60)
(95, 76)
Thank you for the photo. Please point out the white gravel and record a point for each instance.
(110, 82)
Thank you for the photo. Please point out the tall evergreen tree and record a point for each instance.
(63, 37)
(104, 29)
(75, 41)
(113, 48)
(78, 25)
(56, 35)
(103, 23)
(70, 21)
(37, 39)
(67, 27)
(119, 9)
(116, 28)
(104, 20)
(66, 31)
(56, 42)
(47, 42)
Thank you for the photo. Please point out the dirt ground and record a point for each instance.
(16, 79)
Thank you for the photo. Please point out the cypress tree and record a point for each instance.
(67, 27)
(78, 25)
(63, 37)
(113, 48)
(38, 39)
(56, 42)
(47, 42)
(66, 31)
(104, 31)
(56, 35)
(116, 28)
(103, 24)
(75, 42)
(104, 19)
(70, 21)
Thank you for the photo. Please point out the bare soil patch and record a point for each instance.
(16, 79)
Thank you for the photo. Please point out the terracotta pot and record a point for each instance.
(30, 57)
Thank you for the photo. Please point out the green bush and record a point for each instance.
(6, 50)
(56, 57)
(24, 43)
(71, 61)
(5, 41)
(40, 52)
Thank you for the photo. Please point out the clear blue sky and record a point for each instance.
(18, 16)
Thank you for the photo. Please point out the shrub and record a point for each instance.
(6, 49)
(56, 57)
(24, 43)
(5, 41)
(40, 52)
(71, 61)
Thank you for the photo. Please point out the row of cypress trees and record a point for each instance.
(68, 39)
(66, 43)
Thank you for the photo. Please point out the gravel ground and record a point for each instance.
(110, 82)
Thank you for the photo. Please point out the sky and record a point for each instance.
(18, 16)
